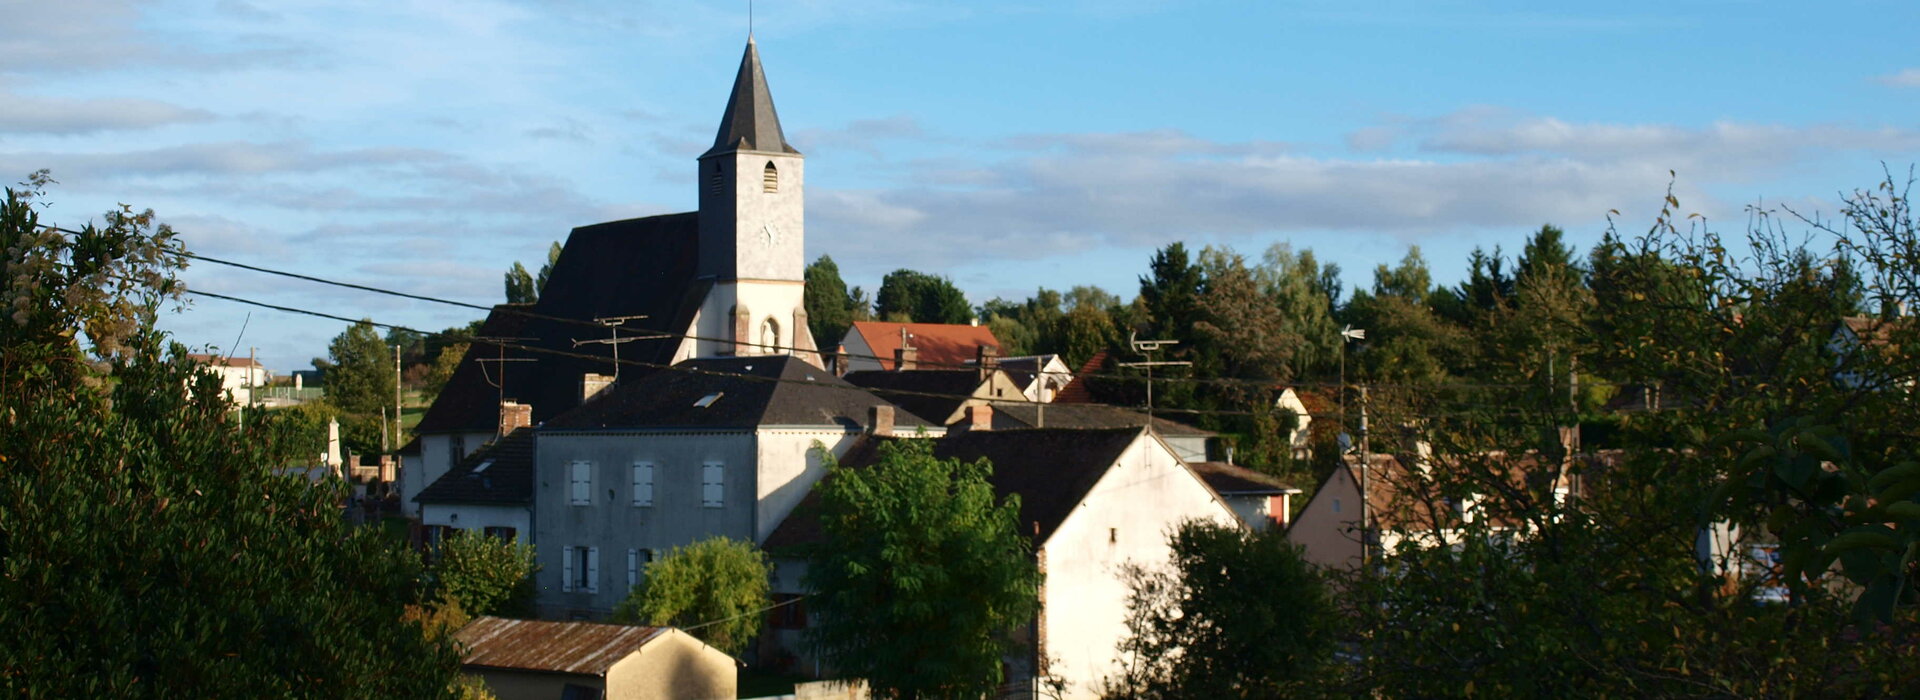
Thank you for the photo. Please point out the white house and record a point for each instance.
(884, 345)
(238, 375)
(1093, 500)
(489, 491)
(1040, 376)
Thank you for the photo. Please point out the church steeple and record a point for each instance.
(750, 122)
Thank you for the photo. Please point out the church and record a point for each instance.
(724, 281)
(665, 389)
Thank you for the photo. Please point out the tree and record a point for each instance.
(442, 371)
(520, 287)
(360, 377)
(1171, 293)
(717, 582)
(921, 575)
(546, 270)
(1238, 614)
(829, 306)
(484, 575)
(922, 298)
(1296, 285)
(148, 549)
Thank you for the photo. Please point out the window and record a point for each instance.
(716, 182)
(456, 448)
(788, 612)
(712, 477)
(1336, 505)
(642, 484)
(637, 561)
(579, 692)
(581, 475)
(581, 570)
(504, 533)
(770, 179)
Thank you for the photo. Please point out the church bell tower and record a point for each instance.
(752, 230)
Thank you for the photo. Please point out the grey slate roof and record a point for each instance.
(909, 389)
(750, 122)
(1051, 470)
(507, 478)
(1085, 416)
(621, 268)
(1231, 479)
(746, 394)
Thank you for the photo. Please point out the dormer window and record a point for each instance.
(770, 179)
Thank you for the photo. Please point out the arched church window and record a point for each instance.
(770, 179)
(770, 335)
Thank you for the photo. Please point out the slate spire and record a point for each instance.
(750, 124)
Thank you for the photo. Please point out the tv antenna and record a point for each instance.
(613, 323)
(497, 342)
(1146, 348)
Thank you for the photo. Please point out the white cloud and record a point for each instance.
(1908, 77)
(66, 116)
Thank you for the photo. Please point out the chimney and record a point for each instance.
(880, 420)
(591, 384)
(514, 414)
(840, 361)
(905, 358)
(986, 358)
(980, 417)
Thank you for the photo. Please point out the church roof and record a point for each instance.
(750, 123)
(635, 267)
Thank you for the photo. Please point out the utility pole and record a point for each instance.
(1146, 348)
(1366, 464)
(613, 323)
(396, 398)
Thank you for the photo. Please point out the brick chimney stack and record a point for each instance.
(880, 420)
(906, 358)
(591, 384)
(840, 361)
(980, 417)
(986, 358)
(514, 414)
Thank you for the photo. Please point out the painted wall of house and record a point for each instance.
(478, 517)
(1289, 402)
(860, 357)
(672, 666)
(437, 455)
(1191, 448)
(533, 685)
(1054, 375)
(787, 467)
(1327, 526)
(612, 524)
(1126, 517)
(1254, 511)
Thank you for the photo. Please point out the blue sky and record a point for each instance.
(425, 146)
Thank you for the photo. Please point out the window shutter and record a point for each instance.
(712, 478)
(642, 484)
(566, 575)
(633, 568)
(582, 483)
(593, 569)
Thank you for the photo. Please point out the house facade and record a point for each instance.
(1093, 501)
(721, 447)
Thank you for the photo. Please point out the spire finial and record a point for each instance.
(749, 21)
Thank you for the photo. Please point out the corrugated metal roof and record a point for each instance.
(564, 647)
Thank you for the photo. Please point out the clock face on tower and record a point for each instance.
(772, 234)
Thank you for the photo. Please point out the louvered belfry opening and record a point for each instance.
(770, 179)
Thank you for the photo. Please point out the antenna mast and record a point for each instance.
(614, 323)
(1146, 348)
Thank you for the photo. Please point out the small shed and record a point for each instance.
(534, 659)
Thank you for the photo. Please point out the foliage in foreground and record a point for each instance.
(922, 575)
(145, 548)
(1237, 614)
(715, 588)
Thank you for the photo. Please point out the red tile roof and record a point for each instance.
(1076, 390)
(940, 345)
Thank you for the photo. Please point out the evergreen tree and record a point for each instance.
(921, 298)
(359, 378)
(520, 286)
(829, 306)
